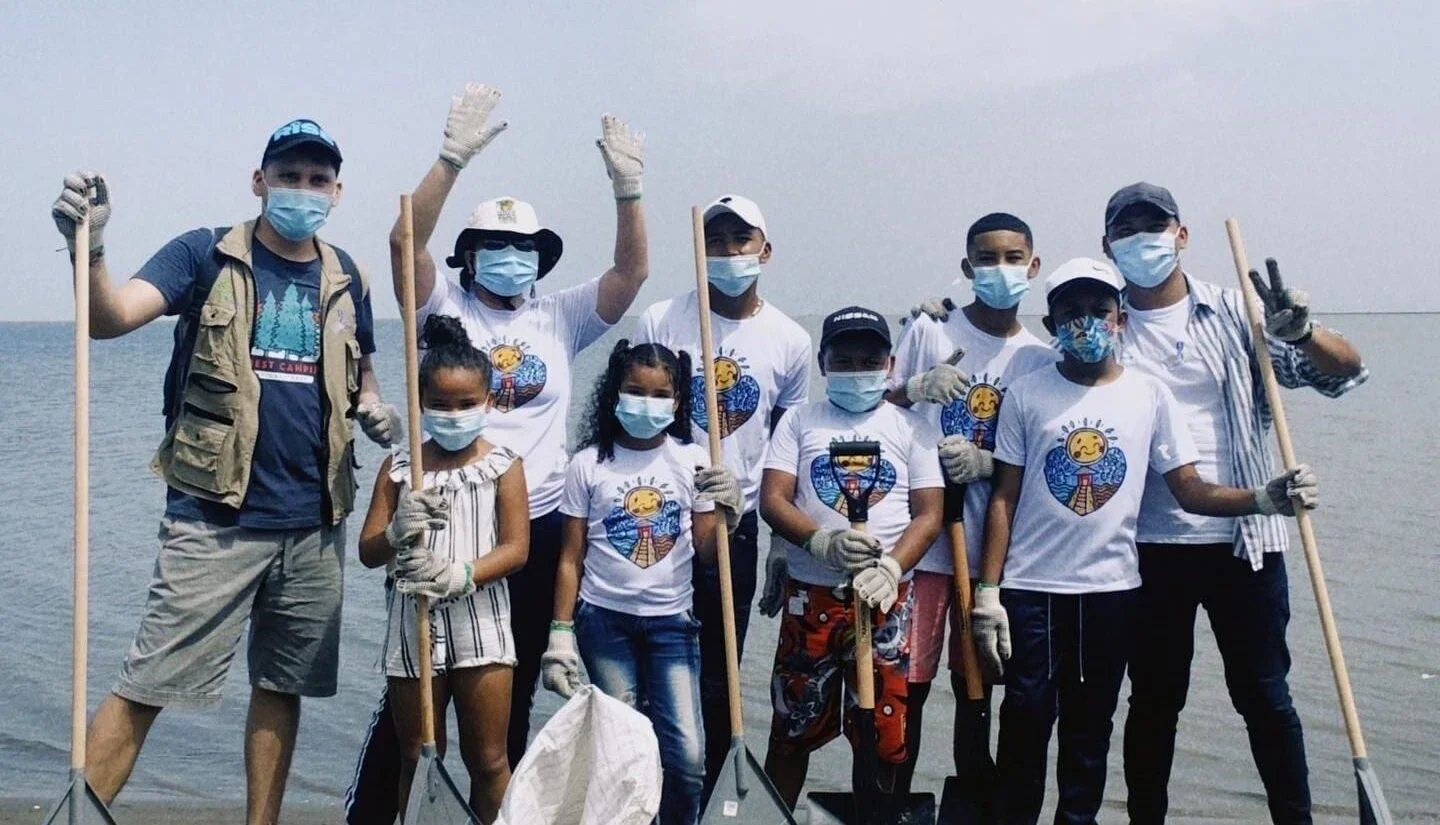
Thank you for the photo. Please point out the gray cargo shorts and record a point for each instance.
(208, 580)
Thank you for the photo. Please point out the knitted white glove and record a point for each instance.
(83, 192)
(879, 586)
(991, 625)
(1280, 493)
(621, 149)
(848, 550)
(560, 666)
(465, 132)
(962, 461)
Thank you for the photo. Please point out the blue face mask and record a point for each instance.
(644, 417)
(1146, 259)
(1087, 338)
(733, 275)
(1003, 286)
(296, 214)
(454, 431)
(507, 272)
(856, 391)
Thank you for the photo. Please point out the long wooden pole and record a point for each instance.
(80, 631)
(717, 456)
(417, 469)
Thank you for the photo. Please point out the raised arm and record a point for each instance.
(621, 149)
(465, 135)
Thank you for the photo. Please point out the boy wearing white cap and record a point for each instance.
(762, 366)
(1063, 538)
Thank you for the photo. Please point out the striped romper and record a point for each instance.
(472, 630)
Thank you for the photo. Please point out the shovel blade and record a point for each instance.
(434, 798)
(79, 805)
(1373, 810)
(744, 794)
(966, 801)
(839, 808)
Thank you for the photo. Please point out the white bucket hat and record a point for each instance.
(507, 216)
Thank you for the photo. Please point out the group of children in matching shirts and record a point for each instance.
(1053, 443)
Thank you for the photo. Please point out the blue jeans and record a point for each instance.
(1248, 610)
(653, 664)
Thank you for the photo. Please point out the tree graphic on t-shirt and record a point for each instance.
(289, 329)
(309, 338)
(265, 324)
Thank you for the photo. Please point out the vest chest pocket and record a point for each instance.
(217, 346)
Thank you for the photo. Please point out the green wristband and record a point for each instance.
(568, 627)
(986, 586)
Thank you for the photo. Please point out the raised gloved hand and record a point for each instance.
(777, 574)
(991, 625)
(848, 550)
(962, 461)
(1280, 493)
(560, 666)
(1287, 311)
(719, 485)
(416, 512)
(82, 192)
(621, 150)
(941, 384)
(379, 421)
(879, 585)
(465, 131)
(937, 308)
(445, 580)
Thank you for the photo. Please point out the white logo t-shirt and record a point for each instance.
(638, 549)
(530, 351)
(761, 362)
(1085, 452)
(907, 461)
(991, 364)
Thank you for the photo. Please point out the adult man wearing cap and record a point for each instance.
(271, 365)
(762, 365)
(532, 340)
(803, 499)
(1195, 337)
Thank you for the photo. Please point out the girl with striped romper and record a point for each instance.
(453, 541)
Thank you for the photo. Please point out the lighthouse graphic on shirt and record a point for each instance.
(517, 375)
(1085, 469)
(644, 521)
(286, 342)
(737, 393)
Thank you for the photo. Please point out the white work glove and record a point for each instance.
(941, 384)
(415, 513)
(82, 192)
(879, 586)
(1287, 311)
(777, 574)
(560, 666)
(465, 132)
(962, 461)
(991, 625)
(445, 580)
(380, 421)
(937, 308)
(719, 485)
(621, 150)
(1280, 493)
(848, 550)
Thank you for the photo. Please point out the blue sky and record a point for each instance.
(872, 134)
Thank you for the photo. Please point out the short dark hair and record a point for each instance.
(999, 222)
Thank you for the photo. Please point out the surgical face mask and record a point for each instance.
(454, 431)
(1087, 338)
(733, 275)
(1002, 286)
(1146, 259)
(296, 214)
(856, 391)
(644, 417)
(507, 272)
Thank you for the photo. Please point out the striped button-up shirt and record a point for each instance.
(1219, 330)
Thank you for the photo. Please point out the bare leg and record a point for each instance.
(787, 774)
(113, 743)
(269, 743)
(482, 705)
(905, 772)
(405, 712)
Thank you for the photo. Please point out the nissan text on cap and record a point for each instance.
(742, 208)
(1082, 269)
(299, 133)
(854, 319)
(1142, 192)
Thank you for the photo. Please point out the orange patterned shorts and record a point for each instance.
(816, 659)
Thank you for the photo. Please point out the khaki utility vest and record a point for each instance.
(208, 450)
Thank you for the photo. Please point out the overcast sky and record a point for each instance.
(871, 133)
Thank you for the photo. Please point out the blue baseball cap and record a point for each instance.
(300, 132)
(1136, 193)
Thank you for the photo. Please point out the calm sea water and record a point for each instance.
(1376, 451)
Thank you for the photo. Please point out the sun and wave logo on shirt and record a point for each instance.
(737, 394)
(834, 478)
(1085, 469)
(517, 375)
(975, 415)
(644, 522)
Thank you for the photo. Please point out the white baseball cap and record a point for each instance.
(507, 215)
(742, 208)
(1082, 269)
